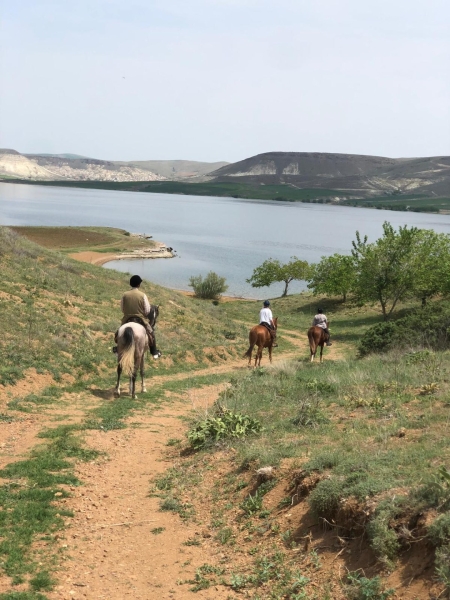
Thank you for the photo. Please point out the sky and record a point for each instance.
(225, 79)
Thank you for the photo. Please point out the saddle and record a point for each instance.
(137, 320)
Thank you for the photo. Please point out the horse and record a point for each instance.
(260, 336)
(132, 342)
(317, 337)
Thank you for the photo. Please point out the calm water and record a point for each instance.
(226, 235)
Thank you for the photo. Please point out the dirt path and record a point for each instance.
(119, 544)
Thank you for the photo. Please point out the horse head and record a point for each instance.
(153, 314)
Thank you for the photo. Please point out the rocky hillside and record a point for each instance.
(72, 167)
(346, 172)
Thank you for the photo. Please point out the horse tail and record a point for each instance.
(252, 339)
(127, 356)
(312, 340)
(249, 351)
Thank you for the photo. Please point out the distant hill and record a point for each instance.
(352, 174)
(178, 169)
(56, 155)
(72, 167)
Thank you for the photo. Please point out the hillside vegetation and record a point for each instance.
(357, 496)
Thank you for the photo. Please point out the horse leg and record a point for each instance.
(144, 389)
(259, 355)
(270, 353)
(321, 352)
(133, 385)
(119, 373)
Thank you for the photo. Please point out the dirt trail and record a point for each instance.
(111, 549)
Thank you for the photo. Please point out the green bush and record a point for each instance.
(439, 530)
(224, 425)
(362, 588)
(210, 288)
(429, 327)
(383, 539)
(378, 338)
(443, 566)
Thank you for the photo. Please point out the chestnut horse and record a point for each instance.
(259, 336)
(317, 337)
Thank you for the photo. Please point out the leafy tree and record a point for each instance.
(432, 265)
(273, 271)
(334, 276)
(387, 268)
(210, 287)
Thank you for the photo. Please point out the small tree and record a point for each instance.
(333, 276)
(273, 271)
(208, 288)
(432, 265)
(386, 269)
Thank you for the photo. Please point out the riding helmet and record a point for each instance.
(320, 310)
(135, 281)
(266, 303)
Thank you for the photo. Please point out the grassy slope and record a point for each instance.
(79, 239)
(377, 428)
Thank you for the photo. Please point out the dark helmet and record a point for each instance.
(320, 310)
(266, 303)
(135, 281)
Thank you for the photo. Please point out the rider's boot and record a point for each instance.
(114, 349)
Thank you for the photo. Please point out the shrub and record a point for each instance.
(378, 338)
(210, 288)
(428, 326)
(439, 530)
(225, 424)
(326, 497)
(443, 566)
(383, 539)
(362, 588)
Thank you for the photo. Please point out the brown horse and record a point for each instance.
(259, 336)
(317, 337)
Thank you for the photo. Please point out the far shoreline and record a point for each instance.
(280, 193)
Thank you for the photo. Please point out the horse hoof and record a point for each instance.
(117, 393)
(144, 390)
(134, 397)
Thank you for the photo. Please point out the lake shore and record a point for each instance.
(101, 258)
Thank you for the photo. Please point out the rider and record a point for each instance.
(135, 307)
(266, 319)
(320, 320)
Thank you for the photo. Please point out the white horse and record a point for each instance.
(132, 342)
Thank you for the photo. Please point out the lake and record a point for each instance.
(226, 235)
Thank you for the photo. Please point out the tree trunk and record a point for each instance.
(286, 284)
(344, 297)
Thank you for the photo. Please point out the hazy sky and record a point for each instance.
(225, 79)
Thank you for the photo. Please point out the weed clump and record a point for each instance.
(362, 588)
(226, 424)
